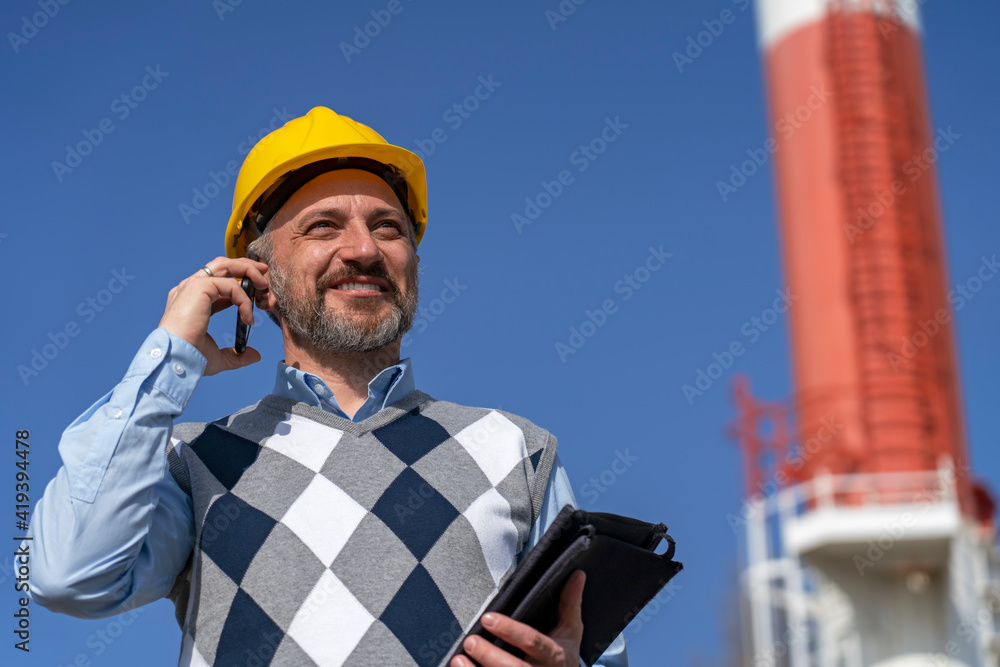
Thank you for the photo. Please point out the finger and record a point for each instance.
(224, 267)
(570, 626)
(461, 661)
(230, 359)
(231, 289)
(258, 276)
(217, 268)
(531, 641)
(229, 293)
(221, 304)
(571, 606)
(488, 655)
(238, 269)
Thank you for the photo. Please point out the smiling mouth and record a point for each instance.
(365, 287)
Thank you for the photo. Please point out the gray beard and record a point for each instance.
(359, 330)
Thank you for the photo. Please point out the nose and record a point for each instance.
(358, 245)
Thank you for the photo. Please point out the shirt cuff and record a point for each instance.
(169, 363)
(164, 362)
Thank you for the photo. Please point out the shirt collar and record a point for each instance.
(390, 385)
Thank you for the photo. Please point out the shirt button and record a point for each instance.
(156, 353)
(118, 414)
(320, 390)
(179, 369)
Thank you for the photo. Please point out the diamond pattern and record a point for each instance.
(478, 439)
(335, 546)
(252, 527)
(362, 467)
(451, 470)
(374, 548)
(419, 592)
(270, 586)
(271, 466)
(378, 647)
(415, 512)
(490, 518)
(465, 595)
(330, 622)
(324, 517)
(225, 454)
(411, 438)
(249, 633)
(311, 444)
(212, 612)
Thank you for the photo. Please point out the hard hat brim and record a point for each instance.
(239, 233)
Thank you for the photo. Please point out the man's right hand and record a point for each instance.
(192, 303)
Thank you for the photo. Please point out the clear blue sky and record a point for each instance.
(221, 78)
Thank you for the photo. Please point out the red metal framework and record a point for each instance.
(896, 262)
(762, 431)
(872, 331)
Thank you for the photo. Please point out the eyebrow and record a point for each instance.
(380, 211)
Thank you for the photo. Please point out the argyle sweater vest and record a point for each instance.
(321, 541)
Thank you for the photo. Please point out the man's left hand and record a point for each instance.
(561, 648)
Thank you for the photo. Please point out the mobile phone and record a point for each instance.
(243, 329)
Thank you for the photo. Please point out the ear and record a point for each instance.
(268, 300)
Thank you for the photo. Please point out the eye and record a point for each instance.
(389, 227)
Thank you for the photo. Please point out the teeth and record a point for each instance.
(364, 286)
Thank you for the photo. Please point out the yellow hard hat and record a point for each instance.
(303, 148)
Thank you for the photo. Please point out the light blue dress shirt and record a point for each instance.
(114, 529)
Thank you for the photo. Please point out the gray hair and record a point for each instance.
(261, 249)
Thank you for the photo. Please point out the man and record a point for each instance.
(347, 518)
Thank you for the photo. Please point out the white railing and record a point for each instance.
(867, 489)
(774, 581)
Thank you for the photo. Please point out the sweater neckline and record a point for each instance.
(386, 415)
